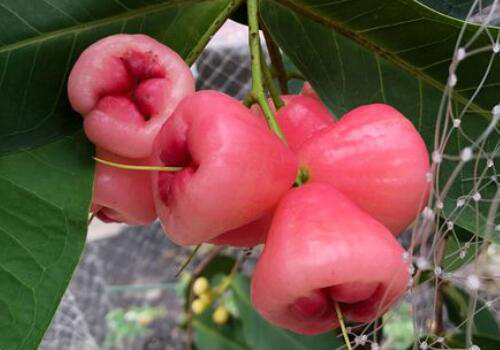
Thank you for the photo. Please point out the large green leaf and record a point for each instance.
(45, 195)
(458, 341)
(458, 254)
(41, 39)
(457, 304)
(461, 249)
(398, 52)
(259, 334)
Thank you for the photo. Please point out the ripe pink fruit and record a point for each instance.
(376, 157)
(248, 235)
(307, 90)
(299, 119)
(122, 195)
(126, 86)
(323, 249)
(235, 168)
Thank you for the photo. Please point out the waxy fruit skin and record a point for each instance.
(323, 249)
(126, 86)
(122, 195)
(376, 157)
(235, 168)
(248, 235)
(307, 90)
(299, 119)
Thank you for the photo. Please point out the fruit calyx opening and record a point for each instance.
(320, 305)
(146, 77)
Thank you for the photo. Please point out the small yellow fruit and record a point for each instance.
(198, 306)
(200, 286)
(220, 315)
(206, 298)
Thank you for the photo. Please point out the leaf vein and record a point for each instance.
(87, 26)
(20, 18)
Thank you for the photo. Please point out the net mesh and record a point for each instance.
(131, 276)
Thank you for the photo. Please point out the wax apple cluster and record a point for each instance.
(327, 203)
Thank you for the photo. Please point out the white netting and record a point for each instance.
(98, 298)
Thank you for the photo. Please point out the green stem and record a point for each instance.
(188, 260)
(249, 100)
(138, 167)
(276, 60)
(229, 279)
(209, 33)
(340, 318)
(271, 86)
(257, 84)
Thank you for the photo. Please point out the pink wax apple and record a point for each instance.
(299, 118)
(376, 157)
(307, 90)
(122, 195)
(126, 86)
(248, 235)
(235, 168)
(322, 249)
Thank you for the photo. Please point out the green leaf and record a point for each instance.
(398, 52)
(457, 304)
(45, 195)
(210, 336)
(458, 341)
(461, 248)
(259, 334)
(458, 253)
(222, 264)
(40, 41)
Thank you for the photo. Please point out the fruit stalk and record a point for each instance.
(340, 318)
(257, 83)
(271, 86)
(138, 167)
